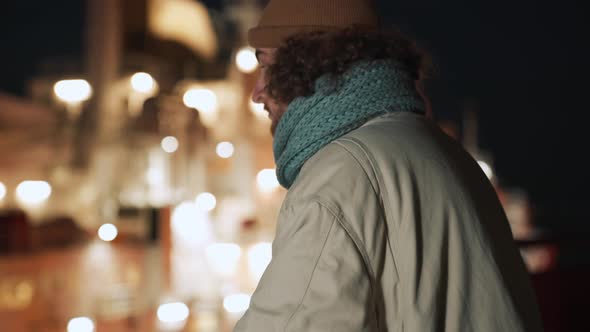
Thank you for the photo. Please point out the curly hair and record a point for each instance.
(306, 56)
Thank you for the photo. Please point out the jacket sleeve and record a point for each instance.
(316, 280)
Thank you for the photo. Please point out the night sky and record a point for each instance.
(523, 64)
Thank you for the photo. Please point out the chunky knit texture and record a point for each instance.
(283, 18)
(338, 106)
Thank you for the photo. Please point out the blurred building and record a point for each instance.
(138, 190)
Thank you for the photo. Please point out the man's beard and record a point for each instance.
(275, 116)
(273, 127)
(274, 121)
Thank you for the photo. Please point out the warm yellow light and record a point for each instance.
(24, 291)
(80, 324)
(72, 91)
(236, 303)
(143, 82)
(108, 232)
(246, 60)
(204, 100)
(224, 258)
(208, 321)
(267, 180)
(259, 256)
(33, 192)
(487, 169)
(206, 202)
(169, 144)
(225, 150)
(187, 23)
(172, 312)
(2, 191)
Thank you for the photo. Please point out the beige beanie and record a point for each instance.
(283, 18)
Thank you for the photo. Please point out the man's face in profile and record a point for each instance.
(260, 94)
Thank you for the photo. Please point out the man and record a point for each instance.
(388, 225)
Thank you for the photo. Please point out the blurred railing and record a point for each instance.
(560, 264)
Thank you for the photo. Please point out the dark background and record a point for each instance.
(521, 64)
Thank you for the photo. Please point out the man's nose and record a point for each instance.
(259, 90)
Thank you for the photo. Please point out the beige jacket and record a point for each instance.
(393, 227)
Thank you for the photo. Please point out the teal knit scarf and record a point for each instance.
(366, 90)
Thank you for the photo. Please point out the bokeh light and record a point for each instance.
(108, 232)
(2, 191)
(33, 192)
(155, 176)
(143, 82)
(224, 258)
(72, 91)
(169, 144)
(206, 202)
(259, 256)
(225, 150)
(258, 109)
(267, 180)
(173, 312)
(236, 303)
(80, 324)
(191, 225)
(204, 100)
(246, 60)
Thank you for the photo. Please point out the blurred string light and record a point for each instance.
(267, 180)
(236, 303)
(259, 256)
(204, 100)
(33, 192)
(108, 232)
(224, 258)
(246, 60)
(225, 150)
(2, 191)
(80, 324)
(173, 312)
(72, 91)
(143, 82)
(169, 144)
(486, 169)
(206, 202)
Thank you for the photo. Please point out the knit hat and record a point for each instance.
(283, 18)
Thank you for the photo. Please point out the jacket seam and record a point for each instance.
(372, 276)
(462, 199)
(375, 190)
(312, 274)
(378, 192)
(355, 239)
(358, 243)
